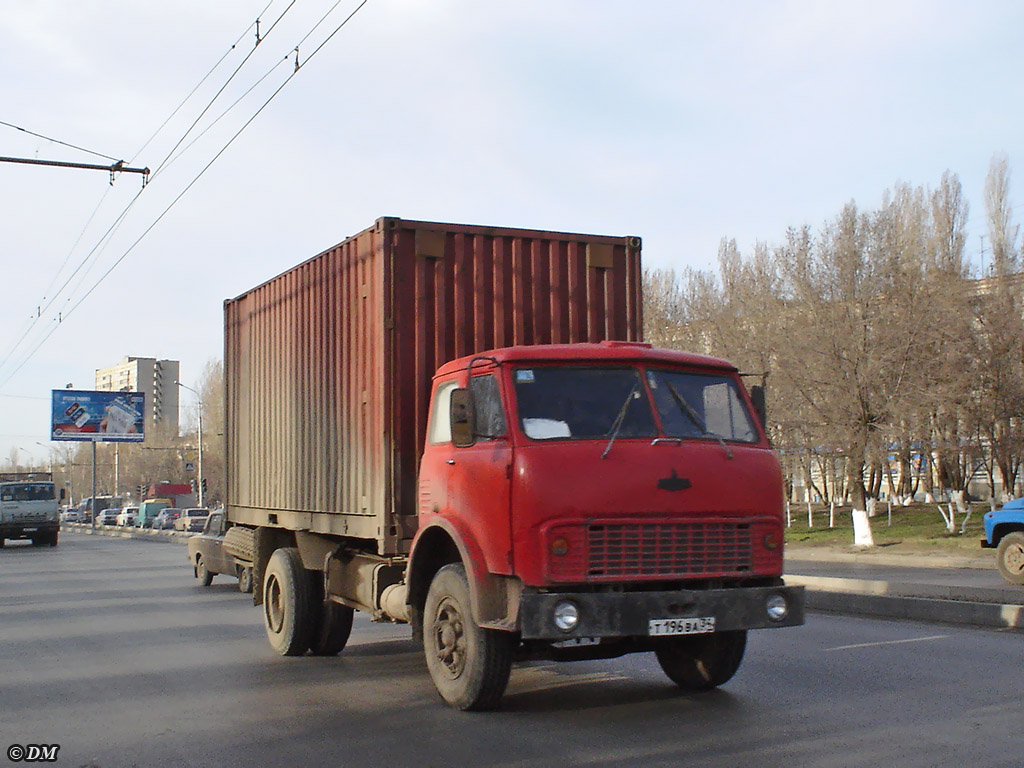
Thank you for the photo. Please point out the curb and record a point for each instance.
(918, 602)
(163, 537)
(983, 560)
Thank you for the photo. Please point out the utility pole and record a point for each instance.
(118, 167)
(199, 488)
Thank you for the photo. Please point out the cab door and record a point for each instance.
(435, 466)
(479, 477)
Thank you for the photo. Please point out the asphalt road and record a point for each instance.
(110, 649)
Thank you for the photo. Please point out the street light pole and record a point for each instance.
(49, 453)
(200, 399)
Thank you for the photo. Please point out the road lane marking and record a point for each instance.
(887, 642)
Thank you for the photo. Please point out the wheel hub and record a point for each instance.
(450, 638)
(275, 605)
(1015, 558)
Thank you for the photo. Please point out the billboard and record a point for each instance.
(97, 416)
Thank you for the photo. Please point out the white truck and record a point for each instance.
(29, 508)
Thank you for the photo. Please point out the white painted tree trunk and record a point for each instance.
(862, 529)
(949, 518)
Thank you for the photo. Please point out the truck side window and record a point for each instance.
(490, 416)
(440, 430)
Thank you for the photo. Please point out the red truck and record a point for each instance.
(429, 423)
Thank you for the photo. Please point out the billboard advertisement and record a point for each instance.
(97, 416)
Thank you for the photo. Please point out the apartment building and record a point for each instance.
(154, 377)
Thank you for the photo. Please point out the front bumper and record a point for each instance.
(27, 530)
(628, 614)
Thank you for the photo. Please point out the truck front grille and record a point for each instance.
(623, 551)
(668, 549)
(28, 517)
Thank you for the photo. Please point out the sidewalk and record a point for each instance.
(907, 583)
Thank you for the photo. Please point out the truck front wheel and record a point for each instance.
(287, 603)
(469, 665)
(1010, 557)
(702, 662)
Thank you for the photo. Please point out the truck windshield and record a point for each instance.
(694, 405)
(580, 403)
(593, 403)
(26, 492)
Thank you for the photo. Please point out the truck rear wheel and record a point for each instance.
(331, 635)
(1010, 557)
(287, 605)
(702, 662)
(469, 665)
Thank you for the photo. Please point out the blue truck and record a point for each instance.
(1004, 532)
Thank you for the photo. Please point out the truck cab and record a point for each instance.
(1004, 532)
(603, 499)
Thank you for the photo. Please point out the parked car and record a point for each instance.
(127, 516)
(70, 515)
(108, 516)
(148, 510)
(192, 519)
(208, 558)
(164, 520)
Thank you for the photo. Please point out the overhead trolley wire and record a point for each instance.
(216, 96)
(198, 176)
(203, 80)
(62, 143)
(105, 238)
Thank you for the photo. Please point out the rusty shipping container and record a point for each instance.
(328, 366)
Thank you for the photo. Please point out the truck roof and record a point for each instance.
(619, 351)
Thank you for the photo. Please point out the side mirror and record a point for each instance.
(462, 418)
(760, 404)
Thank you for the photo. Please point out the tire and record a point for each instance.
(333, 629)
(244, 578)
(1010, 557)
(469, 665)
(287, 605)
(702, 662)
(53, 538)
(202, 572)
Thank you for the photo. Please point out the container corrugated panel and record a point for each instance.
(329, 365)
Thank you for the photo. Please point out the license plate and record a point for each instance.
(29, 530)
(693, 626)
(577, 642)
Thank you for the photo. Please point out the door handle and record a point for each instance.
(450, 461)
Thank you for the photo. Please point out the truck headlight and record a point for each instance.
(566, 615)
(776, 607)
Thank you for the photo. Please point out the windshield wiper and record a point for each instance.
(619, 420)
(698, 422)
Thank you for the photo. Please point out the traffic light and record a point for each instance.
(192, 485)
(204, 485)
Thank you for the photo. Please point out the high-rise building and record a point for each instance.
(154, 377)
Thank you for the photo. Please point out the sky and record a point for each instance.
(681, 122)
